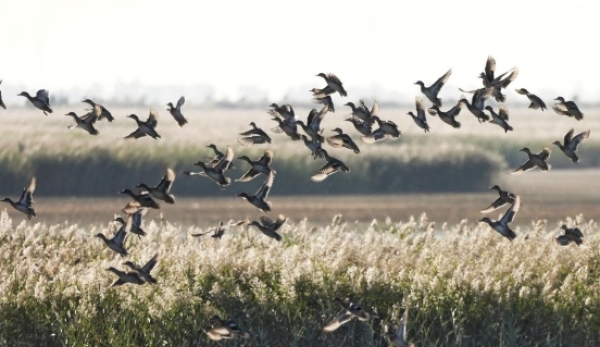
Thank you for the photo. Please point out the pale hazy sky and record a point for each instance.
(278, 45)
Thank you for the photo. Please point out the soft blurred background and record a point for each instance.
(233, 59)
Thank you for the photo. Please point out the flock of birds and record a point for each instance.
(362, 118)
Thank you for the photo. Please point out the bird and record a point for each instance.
(386, 130)
(284, 112)
(433, 90)
(254, 136)
(290, 129)
(145, 128)
(82, 123)
(448, 117)
(136, 222)
(116, 243)
(325, 101)
(476, 111)
(420, 119)
(225, 330)
(214, 160)
(175, 111)
(143, 200)
(262, 165)
(361, 112)
(397, 333)
(219, 231)
(41, 100)
(503, 84)
(536, 102)
(162, 191)
(25, 202)
(504, 199)
(314, 146)
(365, 128)
(125, 277)
(488, 75)
(535, 160)
(501, 225)
(570, 235)
(312, 127)
(571, 144)
(567, 108)
(258, 200)
(333, 83)
(342, 140)
(349, 311)
(98, 112)
(500, 118)
(269, 227)
(216, 172)
(333, 165)
(144, 271)
(2, 102)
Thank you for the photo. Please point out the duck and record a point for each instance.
(139, 201)
(570, 235)
(420, 119)
(254, 136)
(217, 232)
(567, 108)
(488, 75)
(433, 90)
(501, 225)
(314, 146)
(571, 144)
(116, 243)
(98, 112)
(284, 112)
(313, 124)
(144, 271)
(386, 130)
(476, 111)
(136, 222)
(258, 200)
(361, 112)
(125, 277)
(214, 160)
(397, 333)
(216, 172)
(349, 311)
(535, 160)
(25, 202)
(364, 128)
(504, 199)
(175, 111)
(333, 83)
(162, 191)
(145, 128)
(536, 102)
(447, 117)
(41, 100)
(269, 227)
(290, 130)
(262, 165)
(82, 123)
(342, 140)
(500, 118)
(500, 84)
(333, 165)
(225, 330)
(325, 101)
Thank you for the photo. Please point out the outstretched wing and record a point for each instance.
(569, 137)
(437, 86)
(167, 181)
(577, 140)
(44, 95)
(375, 109)
(180, 102)
(503, 112)
(490, 68)
(281, 219)
(263, 192)
(509, 216)
(545, 153)
(267, 157)
(342, 317)
(150, 264)
(225, 161)
(420, 105)
(527, 166)
(499, 203)
(27, 195)
(136, 134)
(153, 118)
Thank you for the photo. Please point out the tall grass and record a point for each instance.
(465, 285)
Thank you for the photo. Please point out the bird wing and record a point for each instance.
(150, 264)
(508, 80)
(167, 181)
(503, 112)
(569, 137)
(375, 109)
(267, 157)
(321, 93)
(119, 237)
(455, 111)
(137, 216)
(89, 117)
(545, 153)
(225, 161)
(266, 221)
(335, 141)
(264, 190)
(527, 166)
(27, 195)
(577, 140)
(333, 78)
(420, 105)
(490, 68)
(132, 207)
(136, 134)
(342, 317)
(153, 118)
(311, 116)
(44, 96)
(281, 219)
(437, 86)
(180, 102)
(106, 114)
(560, 109)
(248, 176)
(509, 216)
(251, 140)
(499, 203)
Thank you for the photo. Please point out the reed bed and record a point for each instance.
(465, 285)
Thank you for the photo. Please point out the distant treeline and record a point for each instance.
(104, 173)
